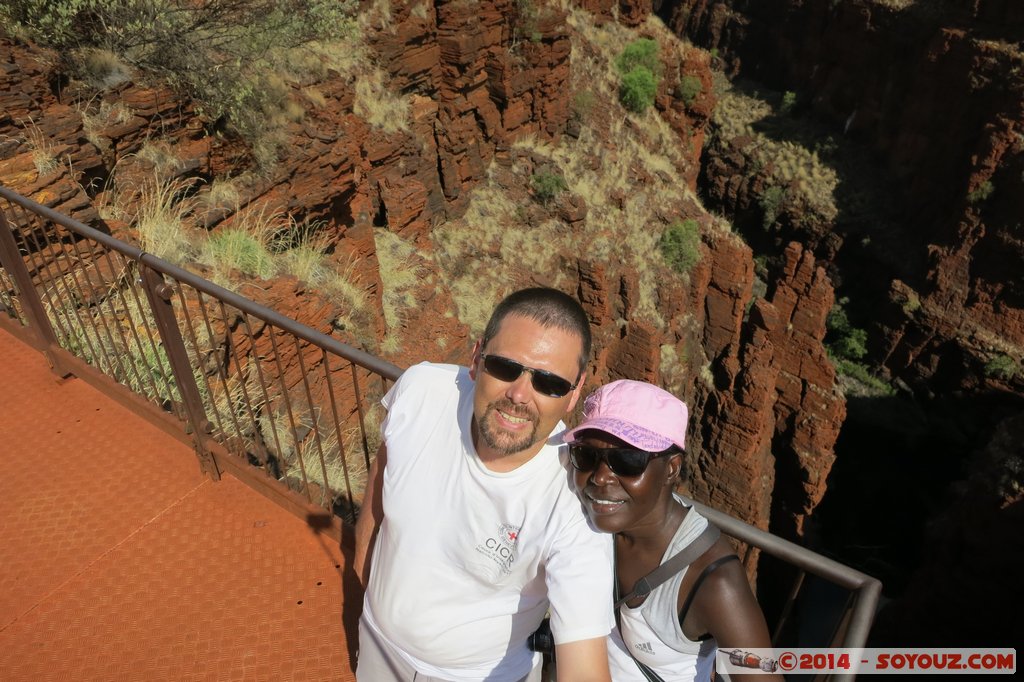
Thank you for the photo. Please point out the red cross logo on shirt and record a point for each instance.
(513, 535)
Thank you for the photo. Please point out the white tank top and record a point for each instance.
(652, 631)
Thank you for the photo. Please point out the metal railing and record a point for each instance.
(250, 389)
(863, 591)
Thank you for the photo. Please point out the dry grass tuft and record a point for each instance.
(809, 181)
(160, 154)
(313, 449)
(44, 154)
(103, 116)
(161, 218)
(222, 194)
(379, 106)
(400, 275)
(101, 69)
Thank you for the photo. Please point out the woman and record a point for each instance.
(628, 456)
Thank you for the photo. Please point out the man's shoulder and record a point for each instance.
(433, 378)
(426, 371)
(429, 384)
(558, 493)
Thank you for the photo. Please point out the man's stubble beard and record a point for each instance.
(502, 442)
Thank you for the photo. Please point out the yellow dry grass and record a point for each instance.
(793, 166)
(378, 105)
(400, 275)
(44, 152)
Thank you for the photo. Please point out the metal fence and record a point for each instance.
(289, 409)
(251, 389)
(851, 628)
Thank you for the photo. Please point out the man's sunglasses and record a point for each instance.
(626, 462)
(543, 381)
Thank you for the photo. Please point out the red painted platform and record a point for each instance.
(120, 561)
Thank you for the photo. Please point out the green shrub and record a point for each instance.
(637, 89)
(912, 303)
(642, 52)
(872, 385)
(827, 147)
(640, 69)
(788, 102)
(844, 341)
(771, 203)
(689, 89)
(45, 21)
(981, 193)
(1001, 367)
(680, 245)
(547, 186)
(851, 345)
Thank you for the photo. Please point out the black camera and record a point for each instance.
(542, 640)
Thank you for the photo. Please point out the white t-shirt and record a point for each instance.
(467, 559)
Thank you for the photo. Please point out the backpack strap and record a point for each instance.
(675, 564)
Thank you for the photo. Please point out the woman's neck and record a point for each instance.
(655, 536)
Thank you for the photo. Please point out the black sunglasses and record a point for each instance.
(627, 462)
(543, 381)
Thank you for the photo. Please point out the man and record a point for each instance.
(469, 530)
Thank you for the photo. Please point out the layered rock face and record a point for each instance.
(487, 84)
(479, 77)
(936, 91)
(769, 424)
(766, 408)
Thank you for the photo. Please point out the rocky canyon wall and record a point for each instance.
(763, 393)
(936, 92)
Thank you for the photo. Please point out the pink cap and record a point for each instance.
(639, 413)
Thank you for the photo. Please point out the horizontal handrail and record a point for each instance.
(376, 365)
(868, 589)
(801, 557)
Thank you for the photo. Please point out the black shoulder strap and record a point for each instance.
(708, 570)
(678, 562)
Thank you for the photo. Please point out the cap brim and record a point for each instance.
(637, 436)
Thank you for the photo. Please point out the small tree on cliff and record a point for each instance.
(680, 245)
(224, 54)
(547, 186)
(640, 70)
(689, 89)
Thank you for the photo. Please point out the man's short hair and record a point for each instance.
(549, 308)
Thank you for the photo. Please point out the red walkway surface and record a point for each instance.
(120, 561)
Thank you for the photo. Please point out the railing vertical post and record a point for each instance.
(159, 294)
(42, 331)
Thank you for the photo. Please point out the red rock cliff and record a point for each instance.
(763, 394)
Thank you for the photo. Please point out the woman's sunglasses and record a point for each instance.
(543, 381)
(627, 462)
